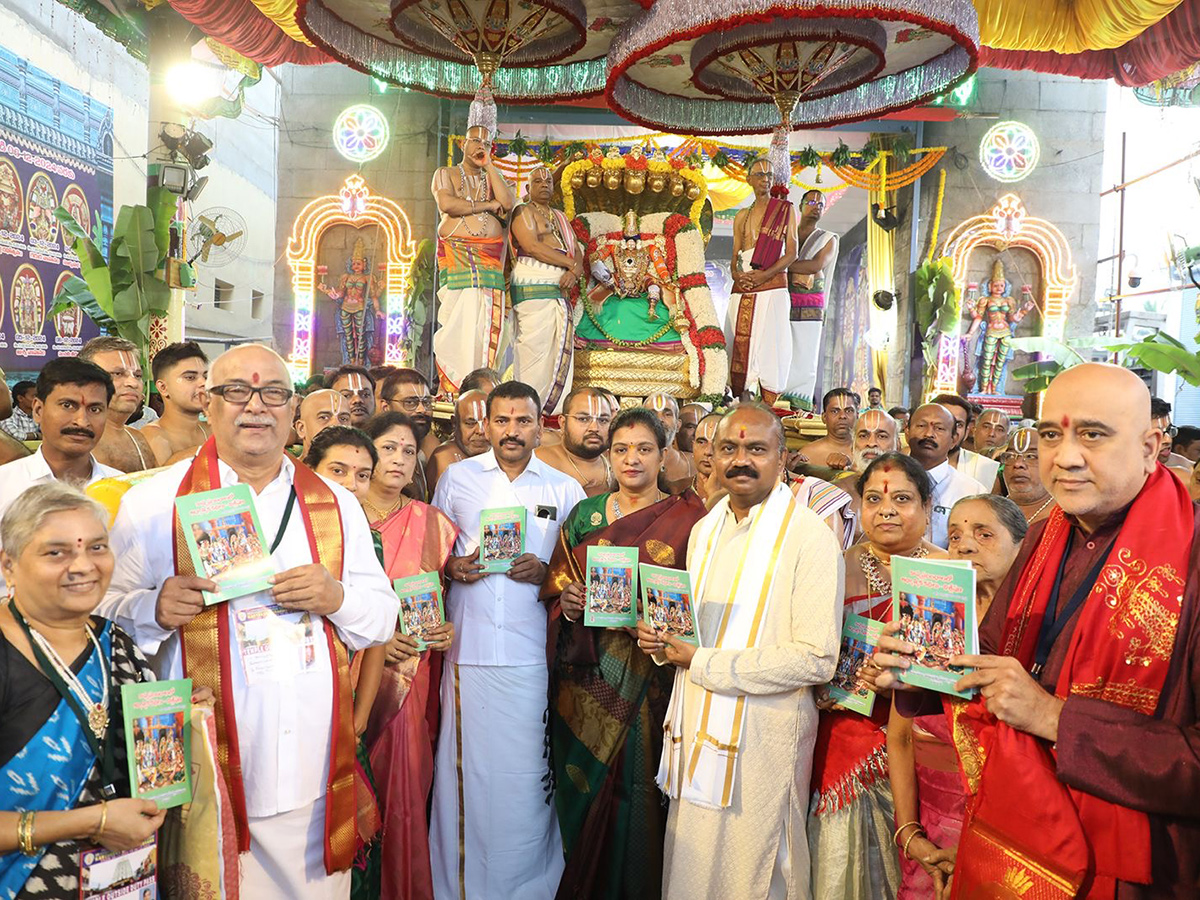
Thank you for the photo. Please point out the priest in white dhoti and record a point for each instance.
(474, 201)
(764, 244)
(493, 832)
(275, 659)
(809, 277)
(767, 580)
(549, 263)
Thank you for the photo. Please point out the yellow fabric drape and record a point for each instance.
(283, 14)
(880, 277)
(1066, 26)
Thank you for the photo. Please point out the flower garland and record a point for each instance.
(937, 217)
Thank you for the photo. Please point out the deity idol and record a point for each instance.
(27, 305)
(993, 346)
(357, 300)
(10, 198)
(632, 269)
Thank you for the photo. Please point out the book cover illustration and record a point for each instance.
(421, 608)
(611, 581)
(501, 537)
(667, 602)
(934, 602)
(859, 637)
(226, 541)
(119, 874)
(157, 740)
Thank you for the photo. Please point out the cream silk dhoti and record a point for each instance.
(545, 331)
(472, 311)
(493, 833)
(807, 319)
(757, 330)
(287, 858)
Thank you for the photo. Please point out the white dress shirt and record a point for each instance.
(18, 476)
(498, 621)
(983, 469)
(949, 486)
(283, 726)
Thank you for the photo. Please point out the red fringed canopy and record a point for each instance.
(1161, 50)
(240, 25)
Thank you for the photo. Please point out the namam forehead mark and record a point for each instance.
(355, 382)
(595, 406)
(127, 360)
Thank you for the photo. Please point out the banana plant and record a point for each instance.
(121, 293)
(938, 309)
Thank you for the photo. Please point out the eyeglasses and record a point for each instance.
(1010, 457)
(411, 403)
(585, 421)
(240, 394)
(820, 203)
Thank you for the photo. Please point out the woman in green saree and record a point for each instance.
(608, 699)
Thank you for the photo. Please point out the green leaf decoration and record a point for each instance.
(545, 151)
(76, 292)
(840, 156)
(518, 146)
(809, 158)
(869, 151)
(720, 159)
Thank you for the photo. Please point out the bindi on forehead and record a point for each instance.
(885, 486)
(742, 433)
(255, 378)
(1066, 422)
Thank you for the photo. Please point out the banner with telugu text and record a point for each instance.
(55, 150)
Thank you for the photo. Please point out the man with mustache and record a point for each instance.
(474, 201)
(120, 446)
(493, 833)
(678, 468)
(468, 429)
(1090, 668)
(580, 454)
(355, 384)
(318, 411)
(550, 262)
(839, 409)
(767, 578)
(71, 409)
(931, 432)
(179, 372)
(286, 740)
(875, 433)
(1021, 476)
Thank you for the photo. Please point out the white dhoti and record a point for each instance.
(287, 858)
(493, 833)
(543, 355)
(472, 309)
(757, 330)
(806, 312)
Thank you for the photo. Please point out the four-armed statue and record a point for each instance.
(995, 321)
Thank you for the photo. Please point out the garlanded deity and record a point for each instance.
(42, 201)
(357, 299)
(27, 301)
(996, 316)
(10, 198)
(635, 268)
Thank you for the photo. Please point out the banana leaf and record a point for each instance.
(86, 250)
(76, 292)
(1168, 358)
(162, 204)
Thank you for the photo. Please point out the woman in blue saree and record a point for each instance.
(63, 776)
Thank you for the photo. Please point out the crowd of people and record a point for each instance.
(517, 752)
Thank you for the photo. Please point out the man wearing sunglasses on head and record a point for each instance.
(284, 718)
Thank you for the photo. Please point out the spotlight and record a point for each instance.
(191, 83)
(172, 136)
(883, 299)
(196, 189)
(173, 178)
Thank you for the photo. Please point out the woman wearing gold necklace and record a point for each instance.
(416, 538)
(852, 799)
(64, 781)
(609, 777)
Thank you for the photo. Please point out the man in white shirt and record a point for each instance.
(494, 832)
(294, 757)
(930, 433)
(71, 408)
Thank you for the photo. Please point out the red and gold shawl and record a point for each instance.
(1061, 842)
(206, 660)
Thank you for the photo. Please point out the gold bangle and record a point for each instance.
(25, 826)
(896, 834)
(94, 837)
(920, 831)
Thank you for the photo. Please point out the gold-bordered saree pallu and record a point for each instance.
(707, 776)
(207, 649)
(1061, 842)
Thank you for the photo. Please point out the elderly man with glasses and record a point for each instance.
(288, 754)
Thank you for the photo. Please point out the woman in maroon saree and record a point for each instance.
(607, 698)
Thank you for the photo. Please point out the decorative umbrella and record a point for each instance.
(787, 64)
(521, 51)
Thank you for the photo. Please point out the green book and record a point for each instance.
(226, 541)
(501, 537)
(611, 581)
(667, 602)
(934, 602)
(421, 608)
(859, 637)
(158, 740)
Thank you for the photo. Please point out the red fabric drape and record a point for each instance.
(239, 24)
(1161, 50)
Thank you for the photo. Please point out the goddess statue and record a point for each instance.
(994, 322)
(357, 299)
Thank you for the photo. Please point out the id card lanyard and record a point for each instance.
(1055, 620)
